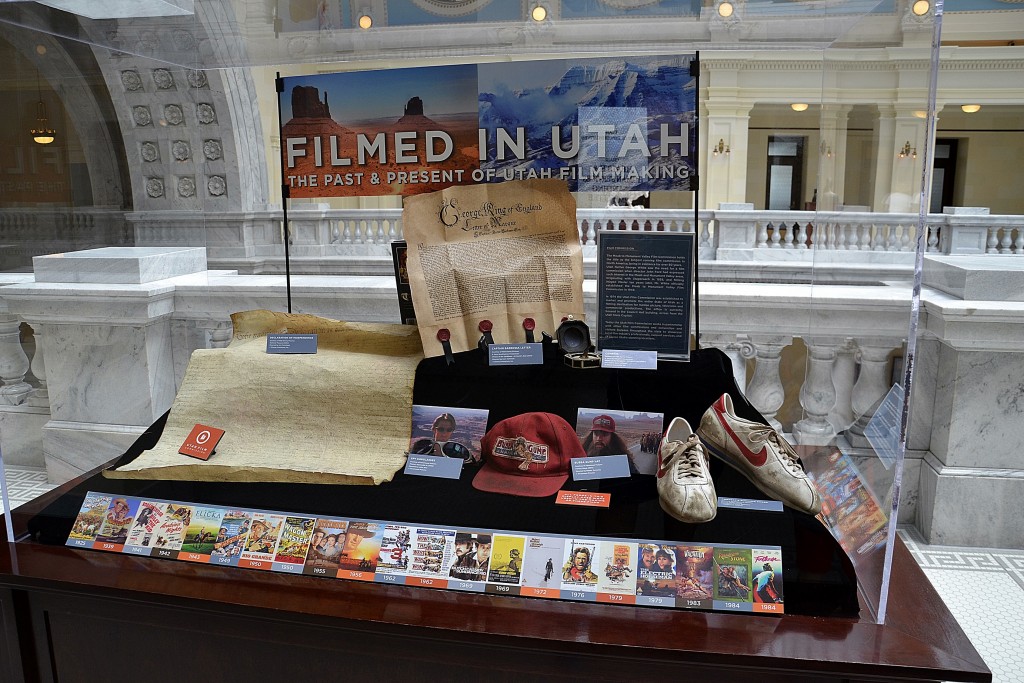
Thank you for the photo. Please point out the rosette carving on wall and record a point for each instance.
(216, 185)
(142, 116)
(174, 115)
(181, 150)
(186, 186)
(206, 113)
(131, 80)
(212, 149)
(149, 151)
(164, 79)
(155, 187)
(197, 79)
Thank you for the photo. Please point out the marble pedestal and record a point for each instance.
(104, 326)
(972, 478)
(972, 482)
(21, 434)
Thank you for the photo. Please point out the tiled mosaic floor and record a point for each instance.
(983, 587)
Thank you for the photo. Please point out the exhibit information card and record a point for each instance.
(644, 287)
(705, 576)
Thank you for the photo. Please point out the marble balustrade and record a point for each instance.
(846, 246)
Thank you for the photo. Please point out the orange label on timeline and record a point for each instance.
(255, 564)
(531, 592)
(201, 442)
(769, 607)
(584, 498)
(111, 547)
(194, 557)
(355, 575)
(617, 598)
(426, 582)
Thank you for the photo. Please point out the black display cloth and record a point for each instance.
(819, 578)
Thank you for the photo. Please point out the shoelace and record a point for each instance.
(688, 455)
(790, 459)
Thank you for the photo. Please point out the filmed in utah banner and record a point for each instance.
(619, 124)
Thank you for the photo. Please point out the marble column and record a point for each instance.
(22, 412)
(844, 372)
(871, 387)
(738, 348)
(765, 390)
(818, 393)
(14, 363)
(725, 171)
(832, 155)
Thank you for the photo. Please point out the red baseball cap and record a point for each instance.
(604, 423)
(528, 455)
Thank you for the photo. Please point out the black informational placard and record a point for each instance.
(644, 290)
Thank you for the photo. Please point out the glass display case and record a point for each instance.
(170, 163)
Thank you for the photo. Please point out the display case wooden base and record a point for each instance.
(80, 615)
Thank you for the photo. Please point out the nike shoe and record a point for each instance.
(685, 489)
(760, 454)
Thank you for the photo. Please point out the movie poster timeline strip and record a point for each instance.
(719, 577)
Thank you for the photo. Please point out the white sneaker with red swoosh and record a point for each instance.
(760, 454)
(685, 489)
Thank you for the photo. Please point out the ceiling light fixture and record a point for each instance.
(726, 10)
(42, 134)
(921, 7)
(365, 21)
(799, 106)
(539, 13)
(970, 108)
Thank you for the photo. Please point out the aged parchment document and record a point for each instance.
(500, 253)
(341, 415)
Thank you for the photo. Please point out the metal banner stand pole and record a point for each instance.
(284, 198)
(694, 188)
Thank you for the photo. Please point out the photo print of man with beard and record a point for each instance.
(619, 432)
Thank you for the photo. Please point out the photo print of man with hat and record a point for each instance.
(620, 432)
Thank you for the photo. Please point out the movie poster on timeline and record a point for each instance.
(656, 571)
(293, 545)
(432, 552)
(116, 523)
(506, 560)
(766, 582)
(695, 583)
(616, 568)
(597, 124)
(258, 551)
(395, 549)
(90, 519)
(147, 519)
(325, 547)
(732, 579)
(542, 571)
(579, 560)
(234, 529)
(201, 534)
(360, 551)
(471, 556)
(170, 533)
